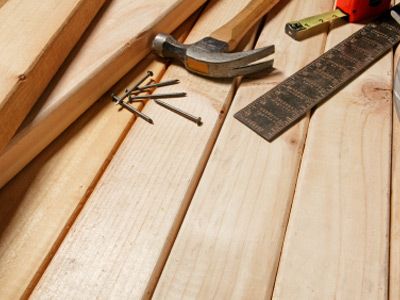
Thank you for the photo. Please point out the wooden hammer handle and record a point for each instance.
(233, 31)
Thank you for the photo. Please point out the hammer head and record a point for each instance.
(208, 57)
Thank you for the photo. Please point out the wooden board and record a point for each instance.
(230, 241)
(160, 166)
(39, 204)
(119, 39)
(394, 275)
(337, 242)
(394, 287)
(36, 38)
(27, 240)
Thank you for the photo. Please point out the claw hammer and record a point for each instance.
(209, 56)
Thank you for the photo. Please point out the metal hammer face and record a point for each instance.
(209, 56)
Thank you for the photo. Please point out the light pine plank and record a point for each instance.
(394, 288)
(337, 242)
(119, 243)
(32, 219)
(2, 2)
(394, 275)
(230, 241)
(36, 38)
(39, 204)
(120, 38)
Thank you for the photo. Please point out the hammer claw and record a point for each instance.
(265, 66)
(227, 65)
(231, 60)
(247, 57)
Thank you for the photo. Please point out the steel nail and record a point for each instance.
(158, 96)
(158, 84)
(176, 110)
(136, 112)
(131, 109)
(129, 91)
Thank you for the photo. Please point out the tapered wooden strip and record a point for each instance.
(337, 242)
(119, 243)
(230, 241)
(36, 38)
(119, 39)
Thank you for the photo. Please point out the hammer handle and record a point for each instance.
(233, 31)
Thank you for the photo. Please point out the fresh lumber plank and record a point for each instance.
(36, 38)
(33, 220)
(337, 241)
(394, 274)
(118, 245)
(118, 40)
(230, 241)
(394, 288)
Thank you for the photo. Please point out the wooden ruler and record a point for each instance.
(281, 107)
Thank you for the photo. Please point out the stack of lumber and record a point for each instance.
(36, 38)
(115, 208)
(119, 38)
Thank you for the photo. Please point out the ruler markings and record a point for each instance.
(289, 101)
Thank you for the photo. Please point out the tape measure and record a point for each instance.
(304, 28)
(274, 112)
(352, 10)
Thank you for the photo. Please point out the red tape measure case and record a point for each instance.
(363, 9)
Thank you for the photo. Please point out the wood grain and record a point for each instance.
(230, 241)
(33, 221)
(120, 38)
(233, 31)
(36, 38)
(394, 287)
(337, 242)
(119, 243)
(394, 275)
(40, 203)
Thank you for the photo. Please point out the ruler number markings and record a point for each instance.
(289, 101)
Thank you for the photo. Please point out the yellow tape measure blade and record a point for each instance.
(305, 27)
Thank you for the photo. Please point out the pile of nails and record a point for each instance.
(133, 95)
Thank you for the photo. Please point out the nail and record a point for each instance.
(129, 91)
(176, 110)
(115, 98)
(158, 84)
(131, 109)
(158, 96)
